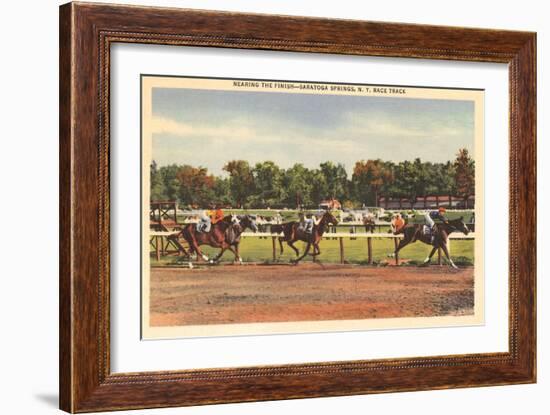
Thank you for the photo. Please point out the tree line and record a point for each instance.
(266, 184)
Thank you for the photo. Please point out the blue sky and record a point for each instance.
(208, 128)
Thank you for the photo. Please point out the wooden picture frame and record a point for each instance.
(86, 33)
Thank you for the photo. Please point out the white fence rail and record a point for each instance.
(160, 241)
(471, 235)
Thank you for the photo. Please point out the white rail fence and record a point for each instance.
(160, 241)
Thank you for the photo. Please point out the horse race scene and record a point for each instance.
(294, 207)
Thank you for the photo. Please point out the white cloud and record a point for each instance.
(380, 124)
(163, 125)
(359, 136)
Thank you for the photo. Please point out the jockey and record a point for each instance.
(208, 218)
(216, 215)
(397, 223)
(309, 222)
(205, 221)
(429, 218)
(301, 220)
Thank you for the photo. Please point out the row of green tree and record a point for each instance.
(267, 185)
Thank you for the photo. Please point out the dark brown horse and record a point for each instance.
(225, 234)
(415, 232)
(292, 232)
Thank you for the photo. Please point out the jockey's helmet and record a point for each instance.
(442, 210)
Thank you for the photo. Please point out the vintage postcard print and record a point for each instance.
(279, 206)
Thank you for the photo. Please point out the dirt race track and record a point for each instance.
(275, 293)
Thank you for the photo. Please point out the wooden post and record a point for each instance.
(157, 247)
(395, 244)
(274, 248)
(369, 250)
(341, 250)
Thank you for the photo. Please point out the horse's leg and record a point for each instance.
(203, 255)
(184, 234)
(402, 244)
(316, 249)
(281, 239)
(237, 255)
(217, 257)
(291, 244)
(196, 248)
(429, 257)
(443, 246)
(191, 241)
(305, 252)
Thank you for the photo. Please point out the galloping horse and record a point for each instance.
(293, 232)
(233, 235)
(414, 232)
(225, 234)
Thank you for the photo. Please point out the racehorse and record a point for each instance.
(225, 234)
(415, 232)
(293, 232)
(233, 235)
